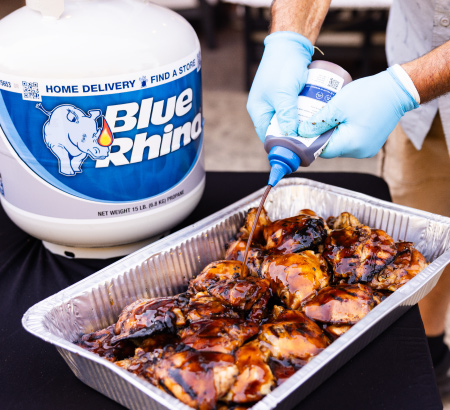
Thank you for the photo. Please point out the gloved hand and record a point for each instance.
(281, 76)
(365, 112)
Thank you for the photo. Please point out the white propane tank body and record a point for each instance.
(101, 139)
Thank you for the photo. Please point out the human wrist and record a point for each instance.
(303, 17)
(411, 96)
(407, 82)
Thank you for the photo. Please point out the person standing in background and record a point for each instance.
(407, 103)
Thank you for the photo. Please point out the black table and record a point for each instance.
(392, 372)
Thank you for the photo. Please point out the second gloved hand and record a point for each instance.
(281, 76)
(365, 113)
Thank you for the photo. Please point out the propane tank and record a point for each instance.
(101, 123)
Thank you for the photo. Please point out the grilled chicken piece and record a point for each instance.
(259, 310)
(157, 341)
(99, 342)
(236, 250)
(255, 379)
(146, 317)
(343, 304)
(344, 220)
(295, 234)
(356, 254)
(293, 336)
(305, 211)
(337, 330)
(263, 221)
(222, 335)
(295, 277)
(380, 295)
(204, 306)
(225, 281)
(282, 369)
(240, 294)
(407, 264)
(198, 379)
(142, 363)
(217, 271)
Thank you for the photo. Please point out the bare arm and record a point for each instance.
(301, 16)
(431, 73)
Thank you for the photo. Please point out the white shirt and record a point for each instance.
(415, 27)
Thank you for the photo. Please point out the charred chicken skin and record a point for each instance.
(204, 306)
(295, 277)
(407, 264)
(229, 283)
(99, 342)
(240, 294)
(148, 316)
(295, 234)
(239, 331)
(293, 336)
(198, 379)
(259, 310)
(142, 363)
(222, 335)
(343, 304)
(357, 254)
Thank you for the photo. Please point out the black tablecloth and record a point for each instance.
(392, 372)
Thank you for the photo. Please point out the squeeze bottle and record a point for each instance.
(286, 154)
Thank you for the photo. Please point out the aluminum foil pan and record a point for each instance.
(165, 267)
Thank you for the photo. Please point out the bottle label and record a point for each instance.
(321, 86)
(111, 139)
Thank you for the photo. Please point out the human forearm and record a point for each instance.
(283, 70)
(301, 16)
(431, 73)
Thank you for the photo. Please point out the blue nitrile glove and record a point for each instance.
(281, 76)
(366, 111)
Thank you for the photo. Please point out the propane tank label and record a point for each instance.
(112, 139)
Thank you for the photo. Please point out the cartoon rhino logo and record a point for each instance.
(71, 135)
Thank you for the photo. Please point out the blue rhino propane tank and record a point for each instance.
(101, 123)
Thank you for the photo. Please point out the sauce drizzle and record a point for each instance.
(255, 222)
